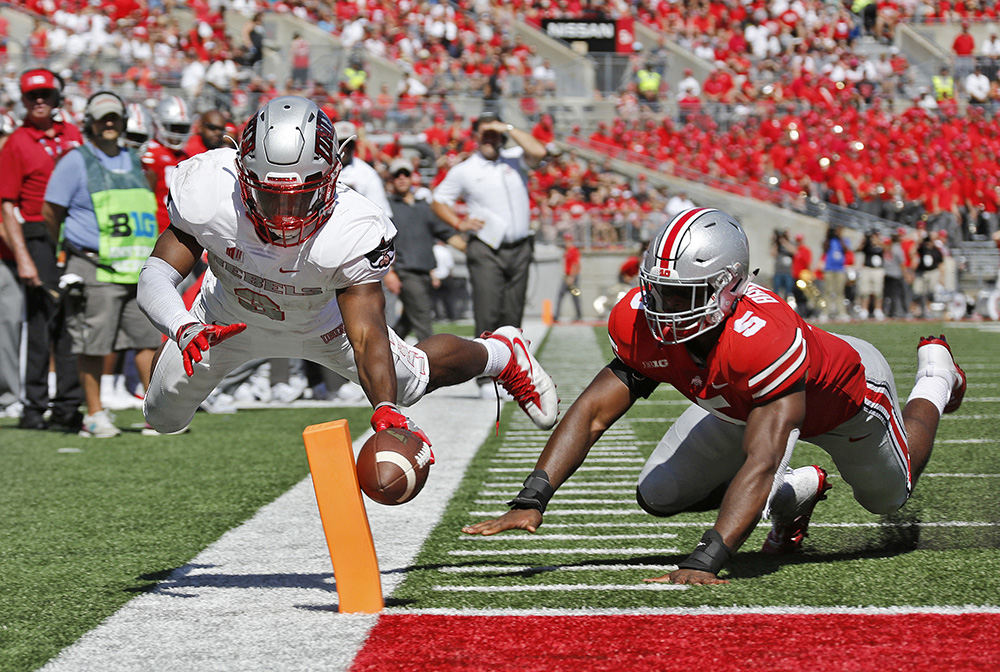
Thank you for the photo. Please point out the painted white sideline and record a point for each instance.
(262, 596)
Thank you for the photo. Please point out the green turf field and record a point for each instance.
(88, 524)
(596, 545)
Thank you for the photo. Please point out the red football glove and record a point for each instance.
(386, 415)
(196, 338)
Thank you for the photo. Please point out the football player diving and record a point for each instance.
(760, 378)
(295, 263)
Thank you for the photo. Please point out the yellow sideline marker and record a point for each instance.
(345, 521)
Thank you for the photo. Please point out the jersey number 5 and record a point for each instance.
(258, 303)
(749, 324)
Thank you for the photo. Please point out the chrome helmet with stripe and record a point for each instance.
(139, 127)
(693, 273)
(173, 121)
(287, 164)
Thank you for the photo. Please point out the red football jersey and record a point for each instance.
(765, 348)
(161, 160)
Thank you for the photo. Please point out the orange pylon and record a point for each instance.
(345, 521)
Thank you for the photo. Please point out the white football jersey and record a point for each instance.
(288, 289)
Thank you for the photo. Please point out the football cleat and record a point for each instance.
(934, 358)
(803, 489)
(526, 380)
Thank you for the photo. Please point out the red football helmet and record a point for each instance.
(288, 163)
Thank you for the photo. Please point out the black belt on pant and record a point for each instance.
(90, 256)
(33, 230)
(516, 243)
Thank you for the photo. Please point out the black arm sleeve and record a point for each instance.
(638, 384)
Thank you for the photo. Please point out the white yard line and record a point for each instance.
(559, 551)
(562, 587)
(543, 537)
(514, 569)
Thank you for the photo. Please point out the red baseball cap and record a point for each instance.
(39, 78)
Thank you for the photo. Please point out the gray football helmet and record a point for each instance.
(173, 117)
(139, 127)
(288, 163)
(693, 273)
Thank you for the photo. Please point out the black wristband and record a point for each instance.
(708, 556)
(536, 493)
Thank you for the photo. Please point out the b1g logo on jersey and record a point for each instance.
(383, 255)
(124, 223)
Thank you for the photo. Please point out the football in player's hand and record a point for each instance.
(393, 466)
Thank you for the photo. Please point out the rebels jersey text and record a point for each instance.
(289, 289)
(765, 349)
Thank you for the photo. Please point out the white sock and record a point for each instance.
(107, 384)
(497, 356)
(935, 389)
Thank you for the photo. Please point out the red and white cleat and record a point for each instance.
(526, 380)
(803, 489)
(934, 358)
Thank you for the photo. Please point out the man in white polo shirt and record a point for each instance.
(493, 184)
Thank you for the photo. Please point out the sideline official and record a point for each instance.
(99, 193)
(493, 183)
(28, 158)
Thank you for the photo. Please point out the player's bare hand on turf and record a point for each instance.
(196, 338)
(691, 577)
(515, 519)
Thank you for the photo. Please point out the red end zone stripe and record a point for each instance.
(719, 643)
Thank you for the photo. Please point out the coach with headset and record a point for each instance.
(101, 199)
(28, 158)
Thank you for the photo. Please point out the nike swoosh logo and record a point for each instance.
(718, 387)
(289, 270)
(852, 439)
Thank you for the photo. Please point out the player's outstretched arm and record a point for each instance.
(172, 259)
(765, 440)
(605, 400)
(363, 309)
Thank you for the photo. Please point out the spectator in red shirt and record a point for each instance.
(28, 158)
(571, 278)
(964, 44)
(963, 47)
(544, 130)
(802, 271)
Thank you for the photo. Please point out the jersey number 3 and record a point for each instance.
(258, 303)
(749, 324)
